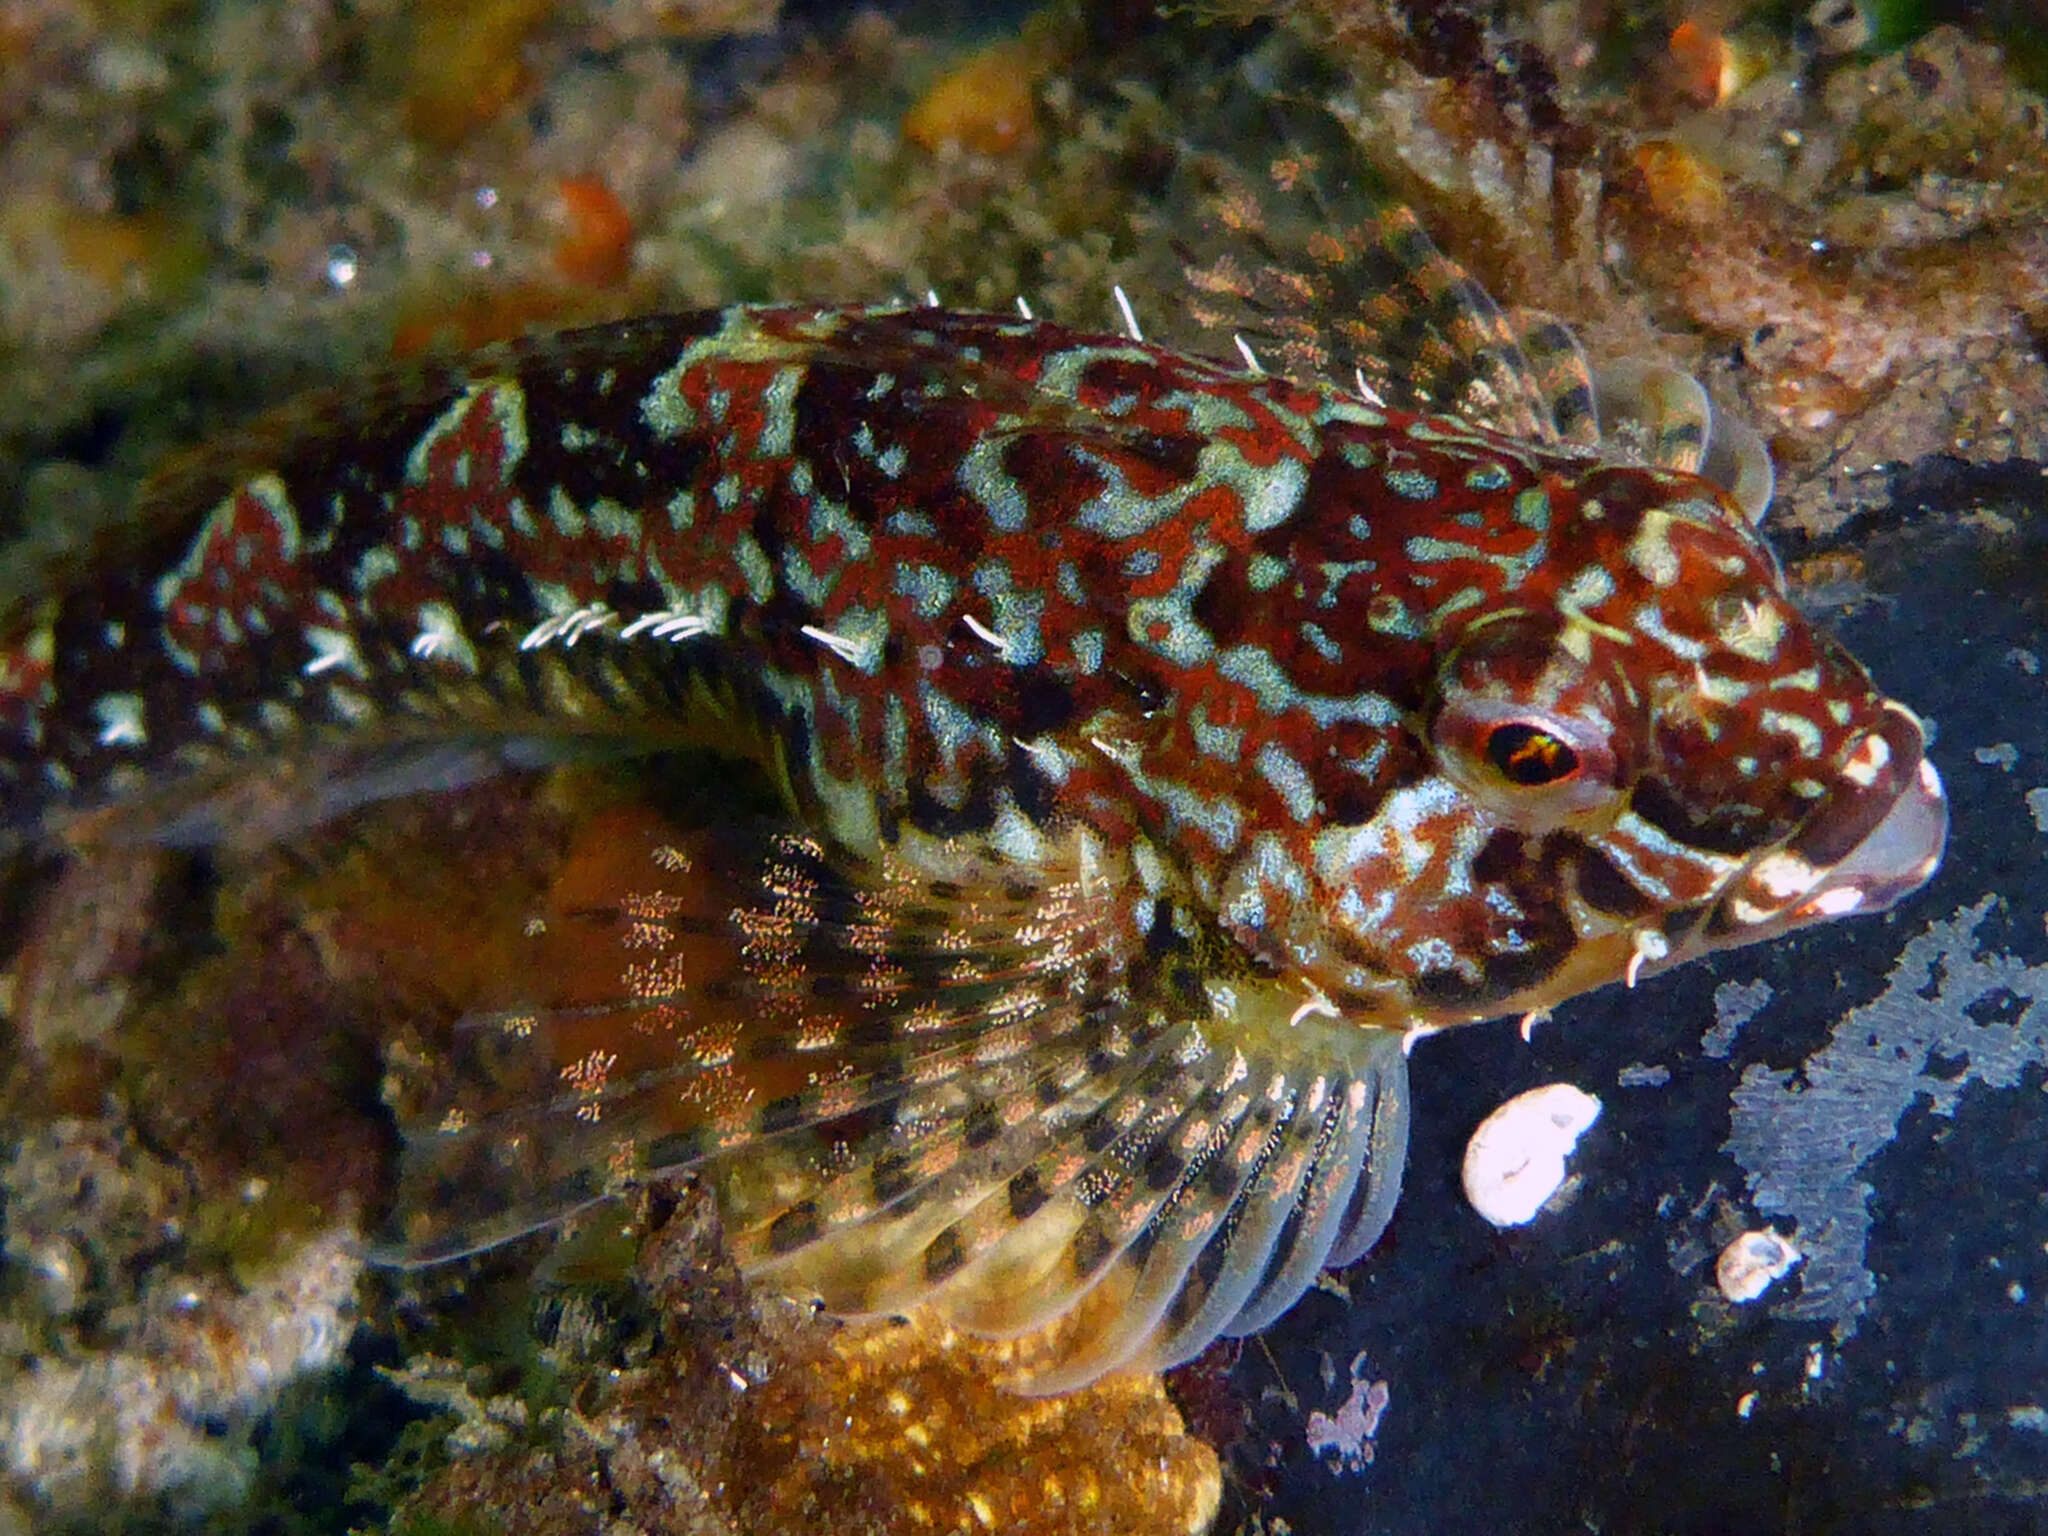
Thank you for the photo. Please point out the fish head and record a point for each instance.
(1640, 753)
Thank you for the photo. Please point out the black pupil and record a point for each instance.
(1528, 754)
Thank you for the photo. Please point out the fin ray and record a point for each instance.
(1323, 276)
(737, 988)
(975, 1092)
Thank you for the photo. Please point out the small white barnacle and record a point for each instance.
(666, 624)
(568, 627)
(858, 641)
(987, 636)
(844, 648)
(1417, 1032)
(1515, 1161)
(1125, 754)
(1053, 760)
(1753, 1263)
(1316, 1005)
(587, 621)
(1130, 316)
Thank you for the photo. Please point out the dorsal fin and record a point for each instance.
(1562, 373)
(1656, 414)
(1320, 275)
(1310, 269)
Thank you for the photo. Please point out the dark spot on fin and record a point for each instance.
(984, 1124)
(891, 1178)
(1562, 374)
(782, 1114)
(943, 1256)
(1163, 1169)
(1027, 1195)
(1088, 1252)
(794, 1228)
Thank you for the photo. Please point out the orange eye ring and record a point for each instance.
(1529, 756)
(1532, 765)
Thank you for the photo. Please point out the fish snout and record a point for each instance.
(1878, 838)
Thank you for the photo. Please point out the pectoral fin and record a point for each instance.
(974, 1093)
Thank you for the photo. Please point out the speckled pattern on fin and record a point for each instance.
(974, 1093)
(1322, 279)
(1657, 414)
(1318, 274)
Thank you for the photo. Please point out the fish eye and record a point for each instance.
(1531, 764)
(1530, 756)
(1526, 728)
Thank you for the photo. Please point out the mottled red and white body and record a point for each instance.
(1245, 727)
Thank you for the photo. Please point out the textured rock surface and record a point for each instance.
(1874, 1091)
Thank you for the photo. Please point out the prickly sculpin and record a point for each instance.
(1163, 742)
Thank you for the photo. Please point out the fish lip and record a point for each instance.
(1892, 860)
(1900, 854)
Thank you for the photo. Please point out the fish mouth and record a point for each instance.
(1879, 838)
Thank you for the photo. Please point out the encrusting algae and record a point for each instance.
(753, 1415)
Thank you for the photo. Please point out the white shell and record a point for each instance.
(1514, 1162)
(1751, 1264)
